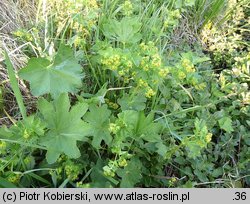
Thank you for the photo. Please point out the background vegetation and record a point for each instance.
(135, 93)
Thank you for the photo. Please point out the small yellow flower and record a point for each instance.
(114, 128)
(150, 92)
(72, 171)
(107, 171)
(166, 23)
(2, 145)
(156, 60)
(200, 86)
(126, 80)
(113, 105)
(200, 143)
(194, 81)
(121, 73)
(190, 69)
(59, 170)
(129, 64)
(144, 61)
(14, 178)
(116, 58)
(156, 64)
(82, 185)
(77, 41)
(27, 160)
(26, 135)
(181, 75)
(143, 46)
(176, 13)
(142, 83)
(123, 163)
(128, 8)
(145, 68)
(151, 44)
(173, 179)
(163, 72)
(185, 62)
(208, 137)
(79, 184)
(188, 65)
(112, 62)
(222, 80)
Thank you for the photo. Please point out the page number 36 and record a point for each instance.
(240, 196)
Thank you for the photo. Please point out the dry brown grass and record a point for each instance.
(14, 14)
(184, 34)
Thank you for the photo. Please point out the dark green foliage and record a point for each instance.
(144, 115)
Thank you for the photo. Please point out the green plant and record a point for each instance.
(62, 75)
(205, 11)
(118, 106)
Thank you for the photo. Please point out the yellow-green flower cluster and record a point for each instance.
(149, 47)
(156, 61)
(122, 162)
(172, 182)
(82, 185)
(79, 41)
(181, 75)
(14, 178)
(114, 128)
(118, 63)
(58, 172)
(72, 170)
(172, 18)
(111, 104)
(188, 65)
(149, 92)
(112, 62)
(73, 6)
(110, 169)
(68, 8)
(27, 160)
(245, 98)
(186, 73)
(208, 137)
(150, 58)
(196, 83)
(143, 46)
(146, 69)
(175, 13)
(127, 8)
(24, 35)
(200, 86)
(163, 72)
(145, 63)
(151, 64)
(2, 147)
(26, 135)
(142, 83)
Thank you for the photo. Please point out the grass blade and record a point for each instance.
(14, 85)
(1, 100)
